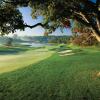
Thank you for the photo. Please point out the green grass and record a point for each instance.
(21, 57)
(55, 78)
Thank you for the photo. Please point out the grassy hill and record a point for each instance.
(73, 77)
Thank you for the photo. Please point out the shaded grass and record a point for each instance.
(4, 50)
(55, 78)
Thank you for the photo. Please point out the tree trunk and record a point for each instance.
(96, 35)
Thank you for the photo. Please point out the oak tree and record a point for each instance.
(56, 13)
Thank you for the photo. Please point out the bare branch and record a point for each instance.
(98, 23)
(16, 2)
(82, 15)
(33, 26)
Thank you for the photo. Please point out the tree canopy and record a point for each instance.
(56, 13)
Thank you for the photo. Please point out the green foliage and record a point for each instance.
(53, 12)
(82, 35)
(84, 39)
(10, 19)
(56, 13)
(59, 39)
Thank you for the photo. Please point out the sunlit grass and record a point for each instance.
(23, 59)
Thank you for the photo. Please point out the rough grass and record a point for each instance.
(72, 77)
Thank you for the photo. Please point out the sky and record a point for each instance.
(37, 31)
(93, 1)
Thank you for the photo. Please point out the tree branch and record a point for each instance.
(82, 21)
(33, 26)
(16, 2)
(98, 23)
(83, 16)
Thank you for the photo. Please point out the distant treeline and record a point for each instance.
(41, 39)
(47, 39)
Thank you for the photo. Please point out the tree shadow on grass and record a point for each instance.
(11, 50)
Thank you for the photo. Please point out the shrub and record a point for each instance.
(84, 39)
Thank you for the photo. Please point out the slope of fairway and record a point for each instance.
(11, 62)
(73, 77)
